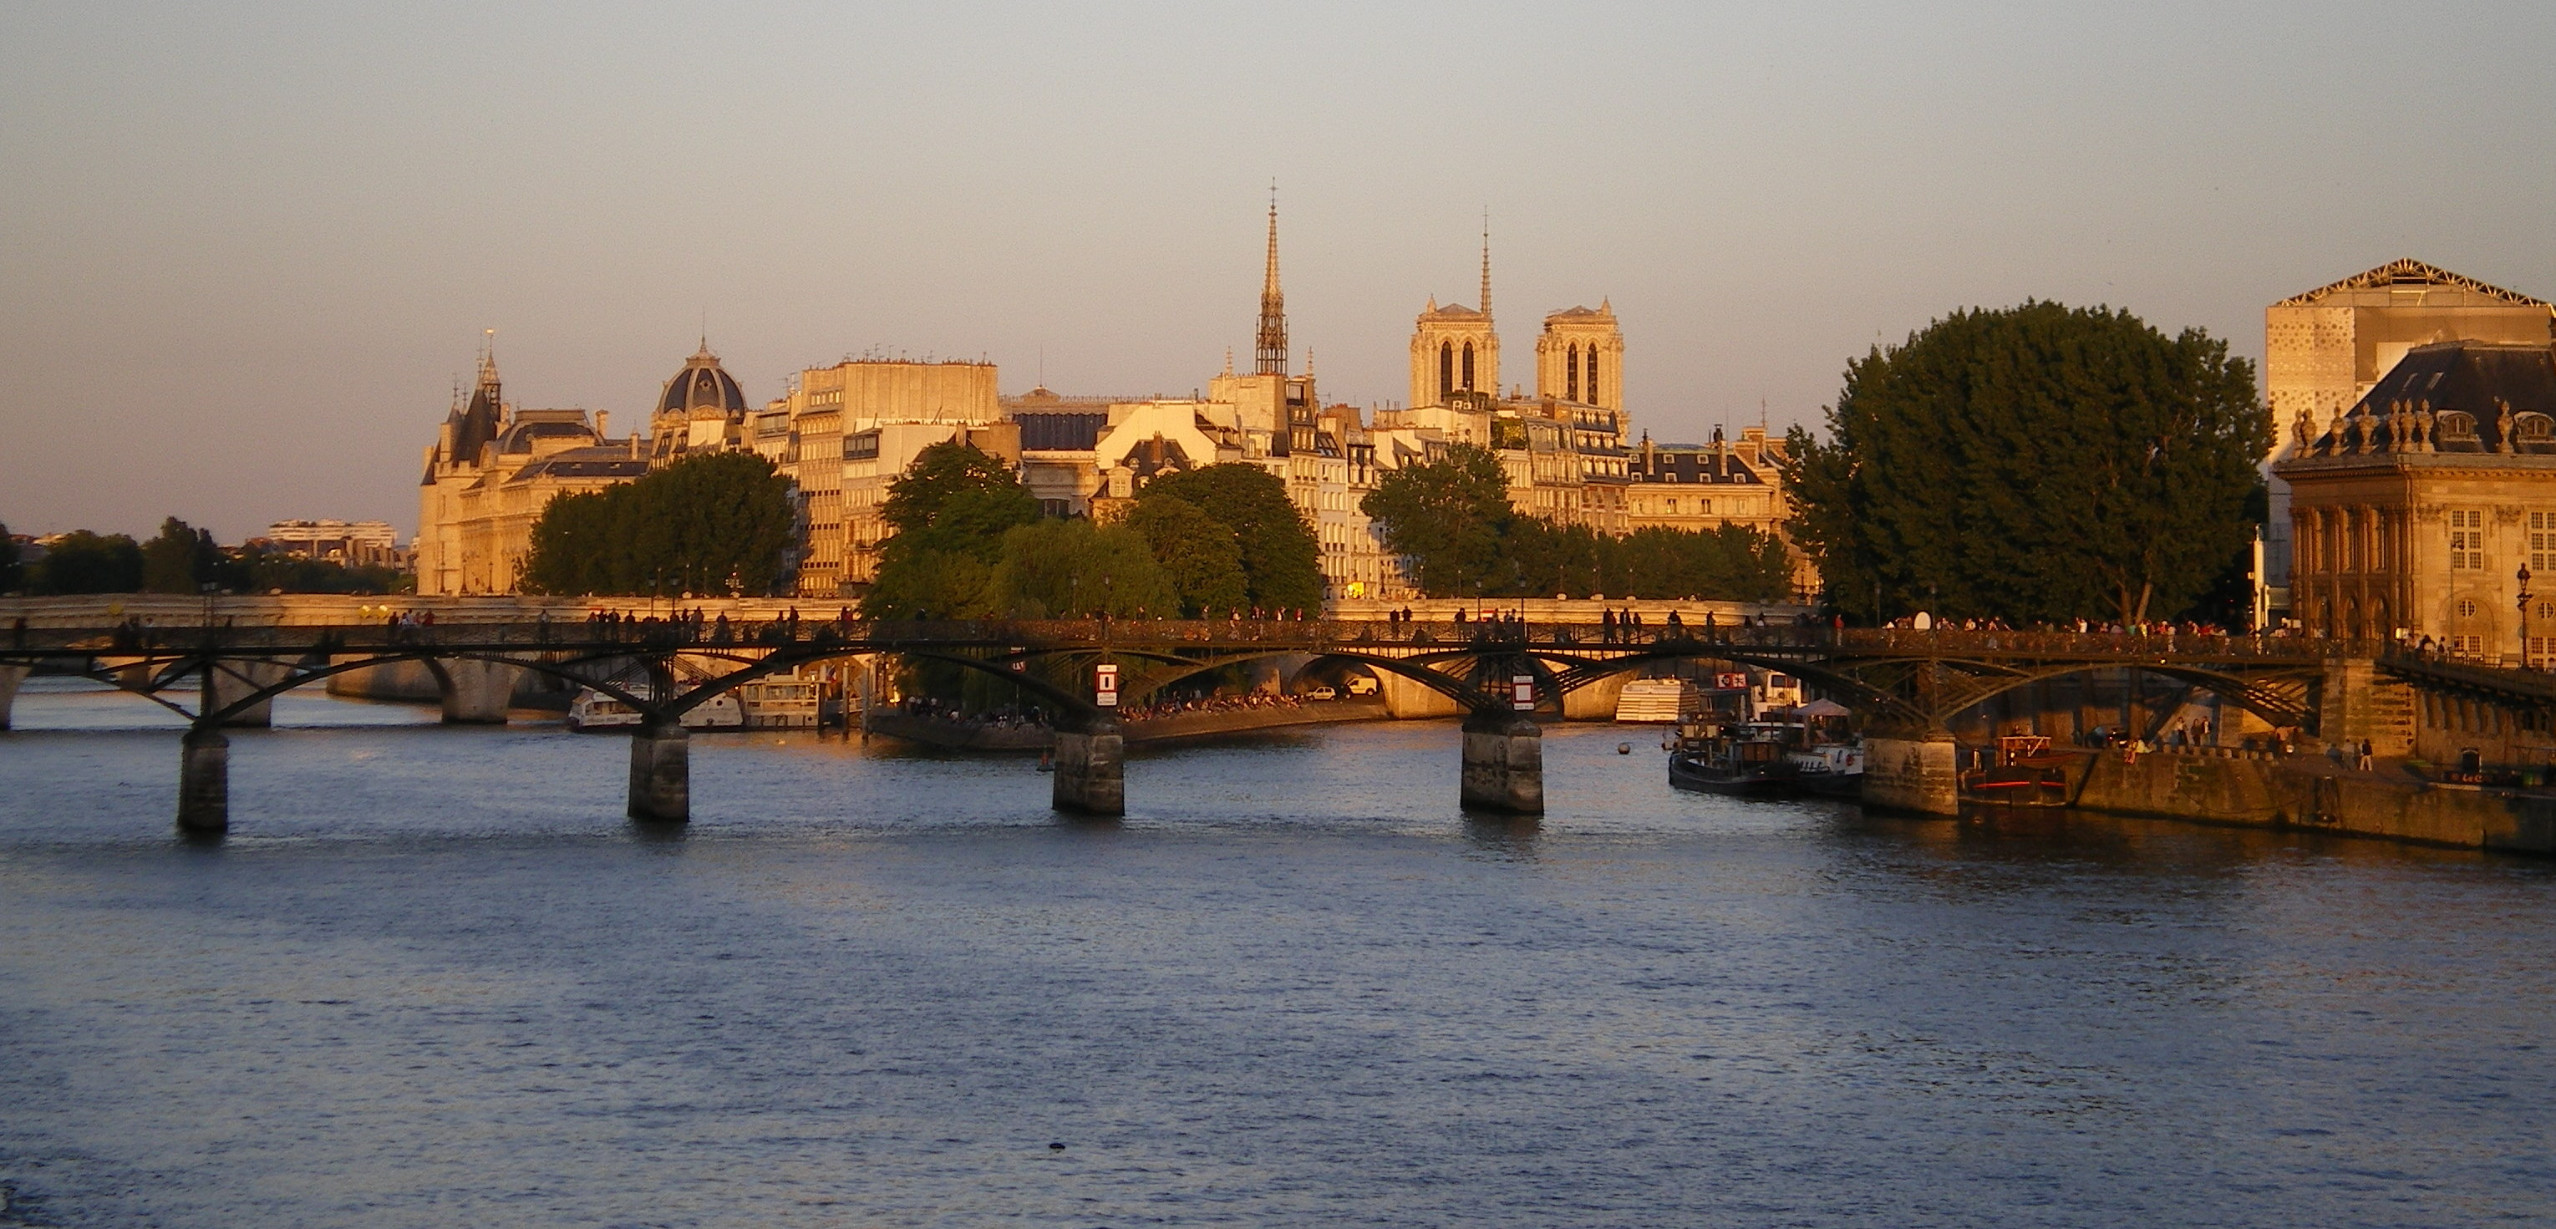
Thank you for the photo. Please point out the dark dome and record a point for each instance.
(702, 385)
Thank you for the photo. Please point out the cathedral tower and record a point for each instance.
(1454, 348)
(1272, 336)
(1580, 357)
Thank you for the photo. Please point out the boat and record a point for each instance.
(1664, 701)
(1747, 760)
(1831, 770)
(593, 710)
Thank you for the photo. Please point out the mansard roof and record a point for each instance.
(2410, 273)
(2450, 398)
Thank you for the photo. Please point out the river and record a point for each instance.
(433, 979)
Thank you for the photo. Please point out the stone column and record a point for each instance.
(1914, 771)
(204, 781)
(10, 677)
(2356, 702)
(1503, 763)
(477, 692)
(234, 679)
(661, 773)
(1091, 769)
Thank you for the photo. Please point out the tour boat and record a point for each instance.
(1747, 761)
(593, 710)
(1831, 770)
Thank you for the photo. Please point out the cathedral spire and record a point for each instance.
(1272, 340)
(1486, 265)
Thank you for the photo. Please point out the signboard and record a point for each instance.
(1522, 692)
(1105, 686)
(1730, 680)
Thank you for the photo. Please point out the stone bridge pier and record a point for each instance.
(1912, 770)
(476, 691)
(204, 781)
(661, 772)
(10, 677)
(1503, 763)
(1091, 769)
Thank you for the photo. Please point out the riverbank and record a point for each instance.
(2216, 786)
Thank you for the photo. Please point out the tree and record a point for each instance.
(950, 511)
(84, 562)
(2035, 462)
(1451, 518)
(709, 523)
(1199, 554)
(1281, 562)
(8, 561)
(1075, 569)
(181, 559)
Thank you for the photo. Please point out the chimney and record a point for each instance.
(603, 425)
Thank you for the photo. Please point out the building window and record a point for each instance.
(2466, 608)
(1468, 366)
(1571, 380)
(1446, 369)
(1592, 381)
(2542, 539)
(2467, 646)
(2467, 539)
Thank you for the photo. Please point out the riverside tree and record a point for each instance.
(1199, 554)
(2035, 462)
(1281, 562)
(180, 559)
(714, 523)
(948, 513)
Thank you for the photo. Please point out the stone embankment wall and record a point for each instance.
(2314, 793)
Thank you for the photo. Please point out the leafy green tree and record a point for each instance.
(255, 569)
(1282, 568)
(84, 562)
(1199, 553)
(9, 571)
(1451, 518)
(955, 494)
(2035, 462)
(950, 510)
(180, 559)
(706, 524)
(1075, 569)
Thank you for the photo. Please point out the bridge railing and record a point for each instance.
(602, 635)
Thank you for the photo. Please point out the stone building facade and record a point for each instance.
(491, 470)
(2325, 349)
(2414, 513)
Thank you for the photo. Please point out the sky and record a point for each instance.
(246, 249)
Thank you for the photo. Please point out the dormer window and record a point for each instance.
(2534, 428)
(2456, 426)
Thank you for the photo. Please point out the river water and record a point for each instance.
(433, 979)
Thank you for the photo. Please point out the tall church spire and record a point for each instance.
(1486, 265)
(1272, 342)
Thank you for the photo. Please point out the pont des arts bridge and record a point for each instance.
(219, 663)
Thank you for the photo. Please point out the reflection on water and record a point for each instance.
(434, 978)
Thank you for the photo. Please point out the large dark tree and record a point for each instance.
(84, 562)
(1450, 517)
(1200, 555)
(181, 559)
(1282, 564)
(2036, 462)
(949, 511)
(1075, 569)
(8, 561)
(715, 523)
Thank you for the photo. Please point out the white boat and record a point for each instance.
(593, 710)
(781, 702)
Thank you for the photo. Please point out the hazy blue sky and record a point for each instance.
(249, 246)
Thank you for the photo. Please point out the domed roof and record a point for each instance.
(702, 386)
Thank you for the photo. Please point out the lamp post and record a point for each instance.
(2523, 577)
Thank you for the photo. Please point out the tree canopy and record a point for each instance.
(1075, 569)
(180, 559)
(85, 562)
(1200, 555)
(8, 561)
(2035, 462)
(712, 523)
(1452, 520)
(1281, 562)
(950, 511)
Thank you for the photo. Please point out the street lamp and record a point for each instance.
(2523, 577)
